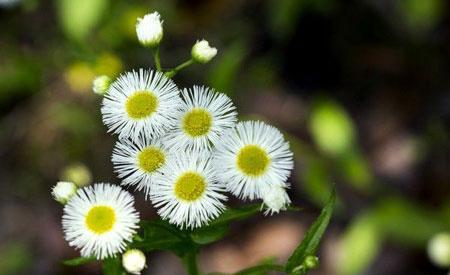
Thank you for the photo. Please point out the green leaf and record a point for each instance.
(79, 17)
(209, 234)
(160, 235)
(312, 238)
(359, 246)
(234, 214)
(79, 261)
(260, 269)
(113, 266)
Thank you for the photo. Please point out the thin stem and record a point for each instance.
(190, 262)
(178, 68)
(157, 59)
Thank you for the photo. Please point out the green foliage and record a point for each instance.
(331, 128)
(359, 245)
(309, 245)
(422, 15)
(14, 258)
(78, 18)
(113, 266)
(79, 261)
(223, 73)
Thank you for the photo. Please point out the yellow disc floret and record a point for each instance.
(190, 186)
(197, 122)
(141, 104)
(151, 158)
(100, 219)
(252, 160)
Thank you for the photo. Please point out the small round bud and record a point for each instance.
(100, 85)
(77, 173)
(439, 249)
(311, 262)
(133, 261)
(275, 198)
(149, 30)
(63, 191)
(202, 52)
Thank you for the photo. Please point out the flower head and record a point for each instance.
(140, 104)
(252, 156)
(133, 261)
(100, 85)
(99, 220)
(140, 163)
(275, 198)
(202, 52)
(188, 195)
(63, 191)
(202, 119)
(149, 29)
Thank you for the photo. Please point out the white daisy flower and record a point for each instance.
(99, 220)
(140, 104)
(149, 29)
(275, 198)
(188, 195)
(139, 163)
(202, 119)
(252, 156)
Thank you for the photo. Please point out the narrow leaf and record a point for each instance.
(79, 261)
(234, 214)
(209, 234)
(113, 266)
(312, 238)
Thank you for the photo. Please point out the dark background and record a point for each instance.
(360, 88)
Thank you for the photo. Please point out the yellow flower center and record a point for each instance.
(253, 160)
(100, 219)
(197, 122)
(190, 186)
(141, 104)
(151, 158)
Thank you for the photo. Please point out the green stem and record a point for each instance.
(178, 68)
(190, 262)
(157, 59)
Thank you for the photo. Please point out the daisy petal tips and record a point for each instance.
(99, 220)
(251, 157)
(140, 104)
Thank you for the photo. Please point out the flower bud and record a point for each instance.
(275, 198)
(77, 173)
(149, 30)
(133, 261)
(100, 85)
(202, 52)
(63, 191)
(439, 249)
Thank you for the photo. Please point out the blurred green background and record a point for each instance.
(360, 88)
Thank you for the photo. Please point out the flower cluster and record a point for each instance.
(184, 148)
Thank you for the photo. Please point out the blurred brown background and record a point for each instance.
(360, 88)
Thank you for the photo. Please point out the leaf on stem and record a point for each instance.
(79, 261)
(113, 266)
(312, 238)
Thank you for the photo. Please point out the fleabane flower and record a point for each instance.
(438, 249)
(149, 29)
(252, 156)
(139, 163)
(202, 118)
(275, 198)
(63, 191)
(140, 104)
(100, 85)
(99, 220)
(202, 52)
(188, 195)
(133, 261)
